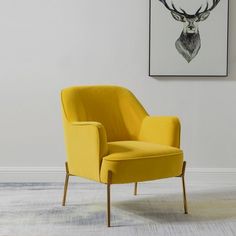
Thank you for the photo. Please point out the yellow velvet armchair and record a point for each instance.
(111, 139)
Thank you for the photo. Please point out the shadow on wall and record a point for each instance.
(195, 79)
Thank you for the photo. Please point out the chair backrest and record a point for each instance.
(115, 107)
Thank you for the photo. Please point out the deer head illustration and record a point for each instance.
(189, 42)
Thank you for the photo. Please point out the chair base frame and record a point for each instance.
(184, 190)
(109, 182)
(65, 184)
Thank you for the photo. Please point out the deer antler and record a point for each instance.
(173, 9)
(214, 4)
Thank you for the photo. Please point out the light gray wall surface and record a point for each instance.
(46, 45)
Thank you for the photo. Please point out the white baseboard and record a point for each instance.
(31, 174)
(219, 176)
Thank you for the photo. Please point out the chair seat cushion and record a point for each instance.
(136, 161)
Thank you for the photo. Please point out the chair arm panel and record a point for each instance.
(86, 145)
(161, 129)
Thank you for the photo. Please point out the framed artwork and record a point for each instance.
(188, 38)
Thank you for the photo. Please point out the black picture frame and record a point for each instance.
(160, 75)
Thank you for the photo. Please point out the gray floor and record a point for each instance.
(34, 209)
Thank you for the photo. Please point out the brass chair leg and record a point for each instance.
(109, 178)
(65, 185)
(135, 188)
(184, 191)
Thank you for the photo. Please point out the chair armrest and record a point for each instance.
(161, 129)
(86, 144)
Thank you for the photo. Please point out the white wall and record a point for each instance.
(46, 45)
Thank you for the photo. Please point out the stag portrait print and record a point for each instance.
(189, 42)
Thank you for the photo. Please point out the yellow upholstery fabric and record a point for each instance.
(107, 129)
(86, 145)
(161, 129)
(130, 161)
(116, 108)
